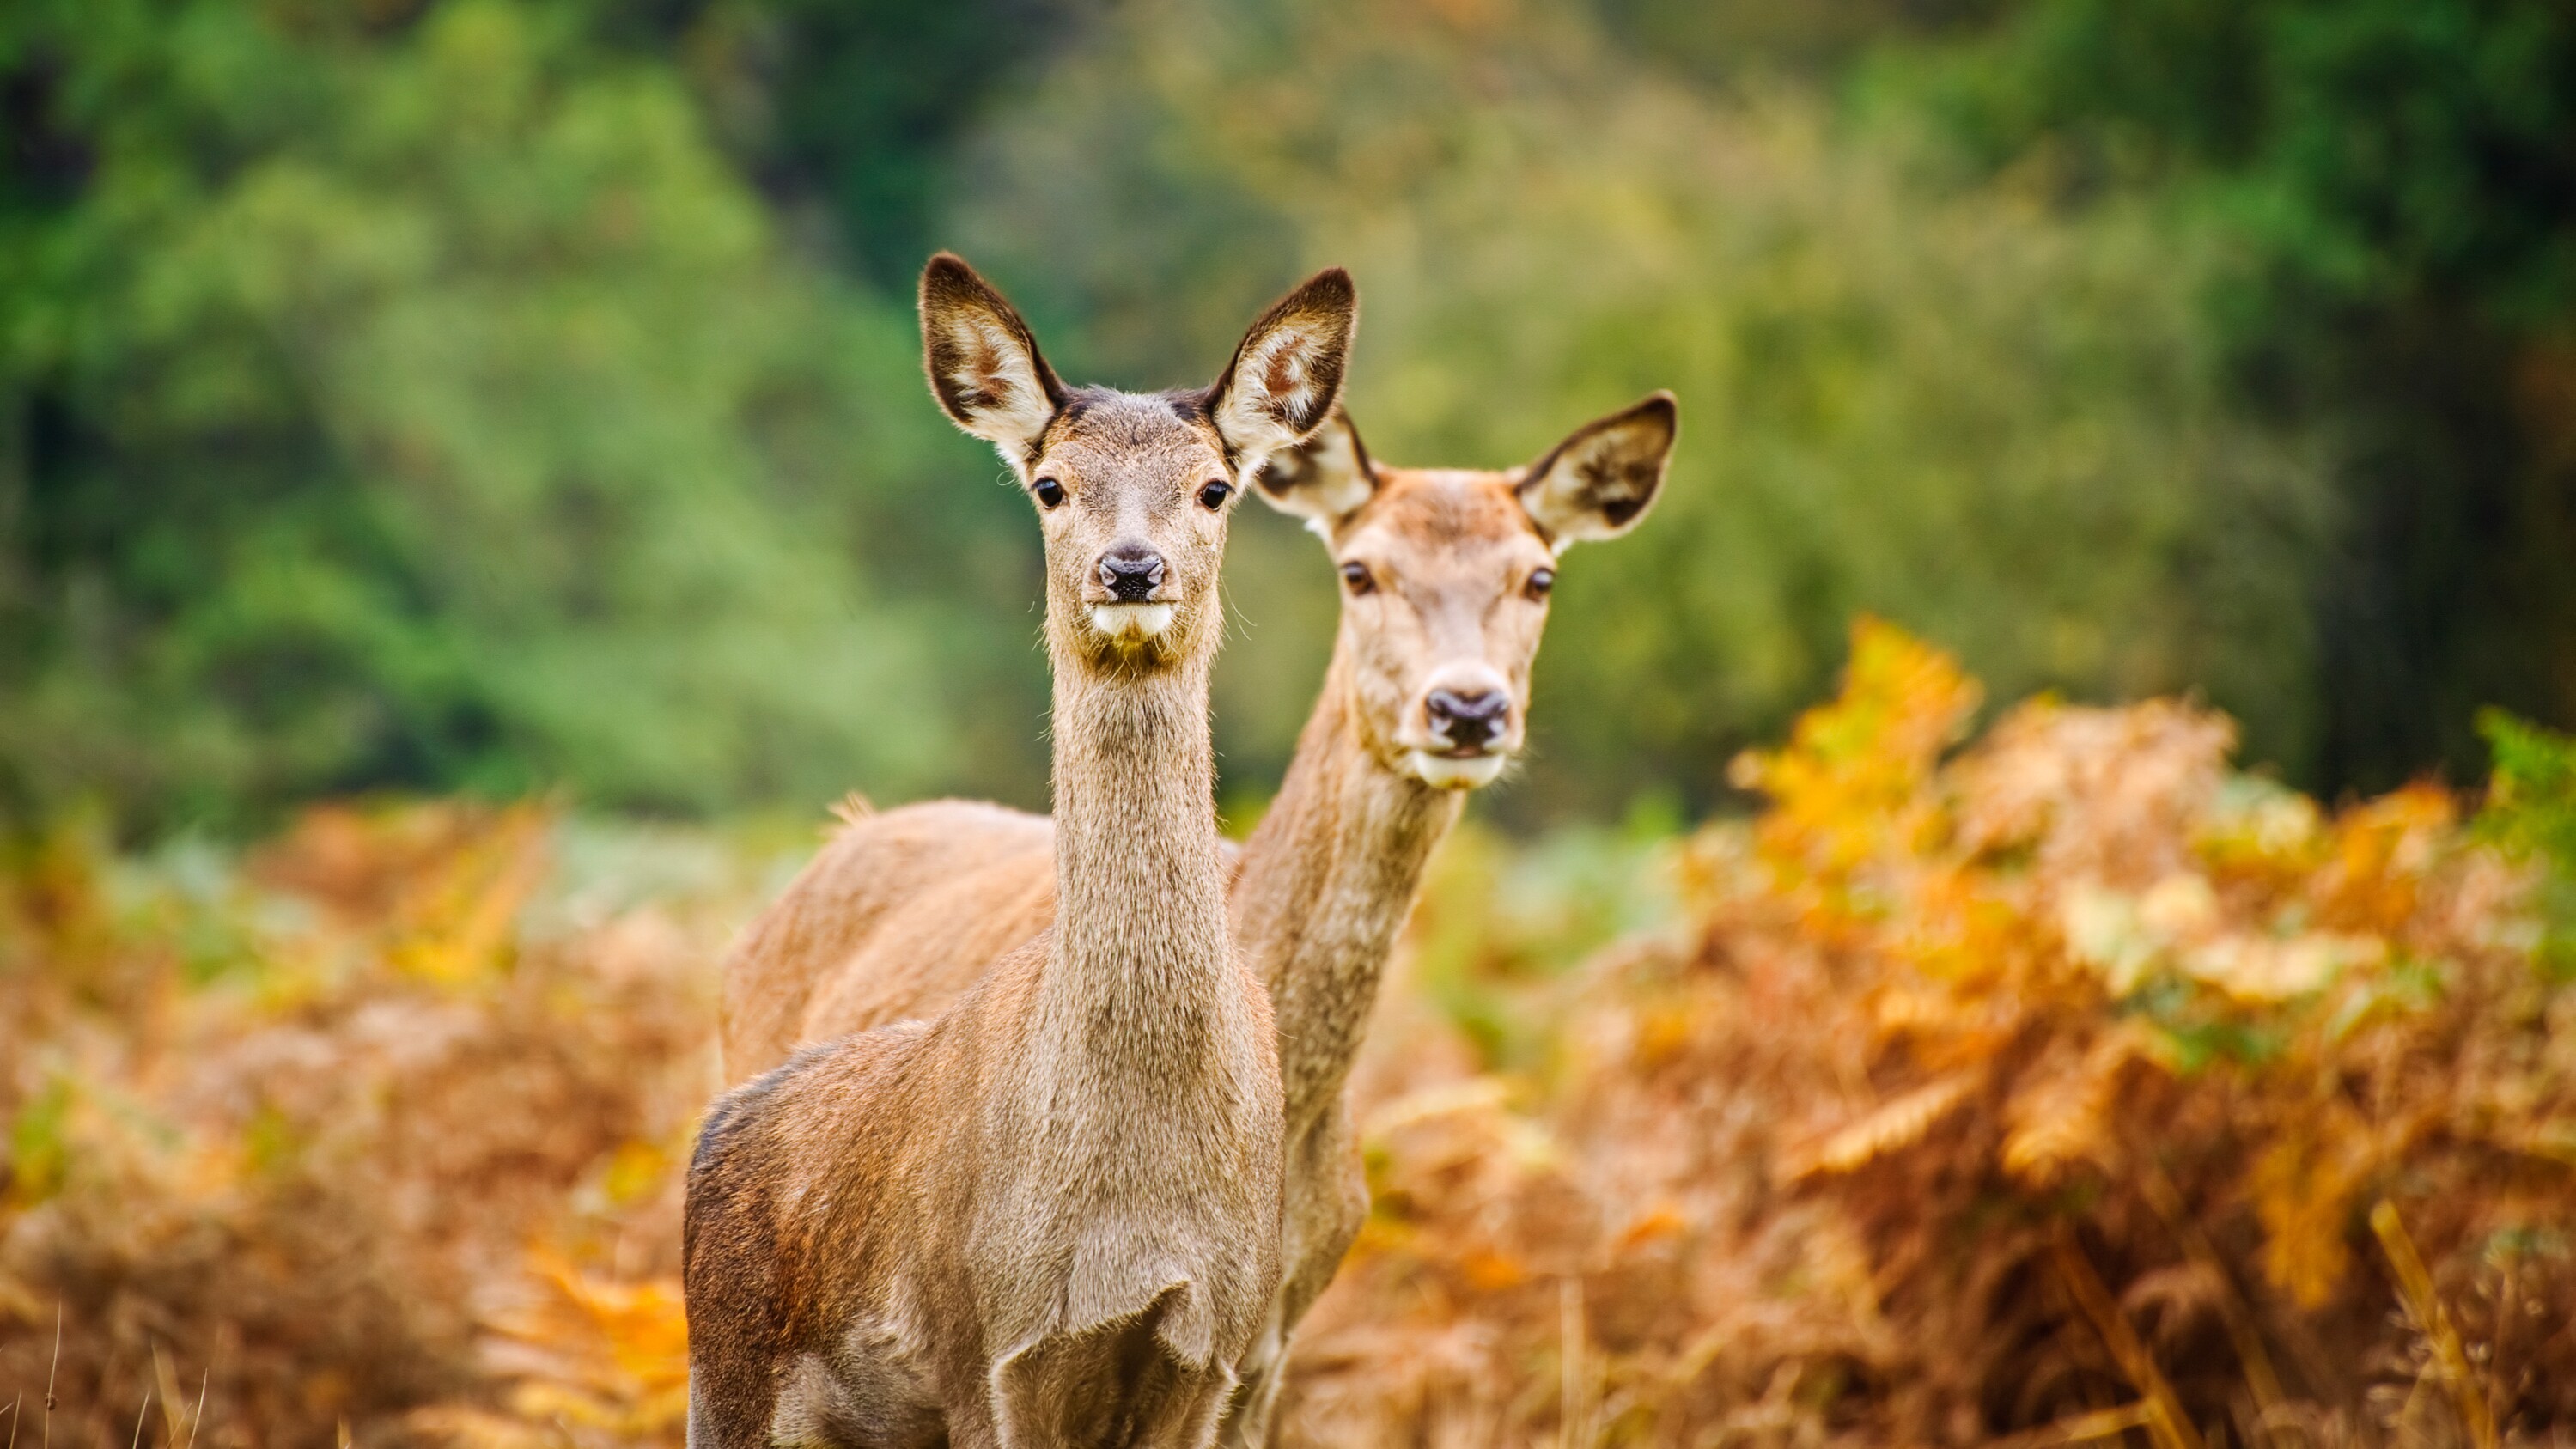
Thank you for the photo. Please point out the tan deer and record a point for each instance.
(1049, 1215)
(1446, 575)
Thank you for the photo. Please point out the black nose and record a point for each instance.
(1131, 572)
(1467, 721)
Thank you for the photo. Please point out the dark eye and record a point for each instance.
(1049, 492)
(1540, 581)
(1213, 495)
(1356, 575)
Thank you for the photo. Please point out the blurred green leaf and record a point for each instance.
(2531, 812)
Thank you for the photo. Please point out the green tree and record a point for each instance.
(2004, 426)
(858, 105)
(424, 400)
(2402, 176)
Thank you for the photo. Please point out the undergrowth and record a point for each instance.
(2063, 1084)
(335, 1139)
(2055, 1085)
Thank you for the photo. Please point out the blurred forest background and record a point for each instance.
(509, 394)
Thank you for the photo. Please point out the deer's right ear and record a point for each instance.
(1324, 479)
(984, 366)
(1287, 373)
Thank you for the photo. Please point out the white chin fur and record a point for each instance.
(1446, 772)
(1131, 621)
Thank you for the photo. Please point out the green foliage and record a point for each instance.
(457, 393)
(2531, 812)
(2001, 426)
(2383, 150)
(1722, 39)
(2401, 177)
(859, 104)
(1500, 926)
(432, 404)
(38, 1157)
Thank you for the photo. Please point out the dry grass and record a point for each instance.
(2044, 1089)
(334, 1130)
(2062, 1087)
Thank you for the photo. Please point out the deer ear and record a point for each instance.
(1324, 479)
(984, 366)
(1287, 374)
(1601, 479)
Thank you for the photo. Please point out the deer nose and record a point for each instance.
(1131, 573)
(1468, 719)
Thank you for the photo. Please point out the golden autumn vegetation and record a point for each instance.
(2054, 1085)
(2045, 1087)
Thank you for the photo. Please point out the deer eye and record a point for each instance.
(1049, 492)
(1214, 494)
(1540, 581)
(1356, 575)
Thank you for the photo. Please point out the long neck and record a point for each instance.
(1326, 883)
(1140, 961)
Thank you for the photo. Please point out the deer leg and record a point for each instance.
(732, 1378)
(729, 1400)
(1327, 1204)
(1247, 1422)
(729, 1268)
(865, 1397)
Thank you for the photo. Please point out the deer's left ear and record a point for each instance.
(1602, 478)
(1287, 373)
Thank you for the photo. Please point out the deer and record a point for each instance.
(1445, 578)
(1049, 1213)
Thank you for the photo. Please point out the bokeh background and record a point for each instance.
(510, 394)
(2042, 906)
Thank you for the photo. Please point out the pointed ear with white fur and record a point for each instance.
(1287, 374)
(1324, 479)
(984, 366)
(1602, 478)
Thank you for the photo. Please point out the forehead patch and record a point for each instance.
(1451, 504)
(1139, 426)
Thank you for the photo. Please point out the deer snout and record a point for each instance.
(1468, 719)
(1462, 732)
(1130, 577)
(1131, 573)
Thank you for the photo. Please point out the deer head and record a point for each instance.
(1133, 490)
(1446, 575)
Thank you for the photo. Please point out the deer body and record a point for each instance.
(903, 911)
(1050, 1214)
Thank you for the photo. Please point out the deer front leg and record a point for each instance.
(729, 1394)
(1328, 1201)
(866, 1395)
(733, 1369)
(729, 1271)
(1249, 1414)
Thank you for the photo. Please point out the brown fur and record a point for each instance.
(900, 914)
(1050, 1216)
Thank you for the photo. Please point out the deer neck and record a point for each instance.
(1326, 883)
(1137, 969)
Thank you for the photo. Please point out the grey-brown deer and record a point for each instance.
(1049, 1215)
(1445, 577)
